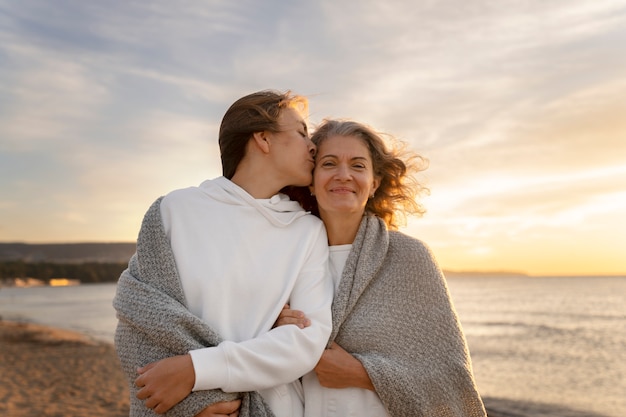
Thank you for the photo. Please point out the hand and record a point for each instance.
(221, 409)
(288, 316)
(337, 368)
(165, 383)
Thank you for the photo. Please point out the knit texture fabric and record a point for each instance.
(393, 312)
(154, 322)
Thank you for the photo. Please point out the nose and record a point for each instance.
(343, 172)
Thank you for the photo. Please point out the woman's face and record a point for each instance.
(343, 179)
(293, 151)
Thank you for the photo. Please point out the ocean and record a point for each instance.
(540, 346)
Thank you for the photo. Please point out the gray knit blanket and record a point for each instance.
(393, 312)
(154, 322)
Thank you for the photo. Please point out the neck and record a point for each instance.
(257, 184)
(341, 228)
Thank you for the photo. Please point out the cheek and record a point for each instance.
(318, 178)
(318, 187)
(367, 185)
(320, 181)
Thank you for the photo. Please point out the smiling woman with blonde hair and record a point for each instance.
(396, 348)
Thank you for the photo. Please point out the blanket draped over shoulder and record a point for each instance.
(392, 311)
(154, 322)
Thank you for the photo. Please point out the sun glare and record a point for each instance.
(63, 282)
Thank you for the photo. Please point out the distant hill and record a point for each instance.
(67, 252)
(121, 253)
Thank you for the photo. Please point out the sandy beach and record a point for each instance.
(51, 372)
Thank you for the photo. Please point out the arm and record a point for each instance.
(279, 356)
(151, 284)
(142, 338)
(337, 368)
(218, 409)
(282, 354)
(165, 383)
(422, 367)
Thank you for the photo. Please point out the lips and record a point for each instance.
(342, 190)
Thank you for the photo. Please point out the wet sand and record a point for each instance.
(51, 372)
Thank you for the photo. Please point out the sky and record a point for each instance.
(519, 107)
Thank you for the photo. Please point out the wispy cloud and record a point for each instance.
(518, 106)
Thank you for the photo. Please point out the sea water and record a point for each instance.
(540, 346)
(547, 346)
(86, 308)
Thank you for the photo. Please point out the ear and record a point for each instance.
(261, 139)
(375, 184)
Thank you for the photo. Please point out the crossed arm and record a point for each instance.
(165, 383)
(337, 368)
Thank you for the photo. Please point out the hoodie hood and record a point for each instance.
(279, 209)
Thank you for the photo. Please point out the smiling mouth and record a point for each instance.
(342, 190)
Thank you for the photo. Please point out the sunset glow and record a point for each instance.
(519, 110)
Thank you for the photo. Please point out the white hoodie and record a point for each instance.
(240, 260)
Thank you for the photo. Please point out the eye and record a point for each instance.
(327, 163)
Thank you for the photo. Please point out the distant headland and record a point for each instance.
(29, 265)
(67, 252)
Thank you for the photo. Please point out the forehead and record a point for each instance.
(344, 146)
(291, 118)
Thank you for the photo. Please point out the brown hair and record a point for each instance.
(393, 164)
(255, 112)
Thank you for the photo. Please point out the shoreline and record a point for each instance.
(49, 371)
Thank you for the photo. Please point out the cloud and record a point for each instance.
(517, 105)
(49, 99)
(445, 64)
(168, 149)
